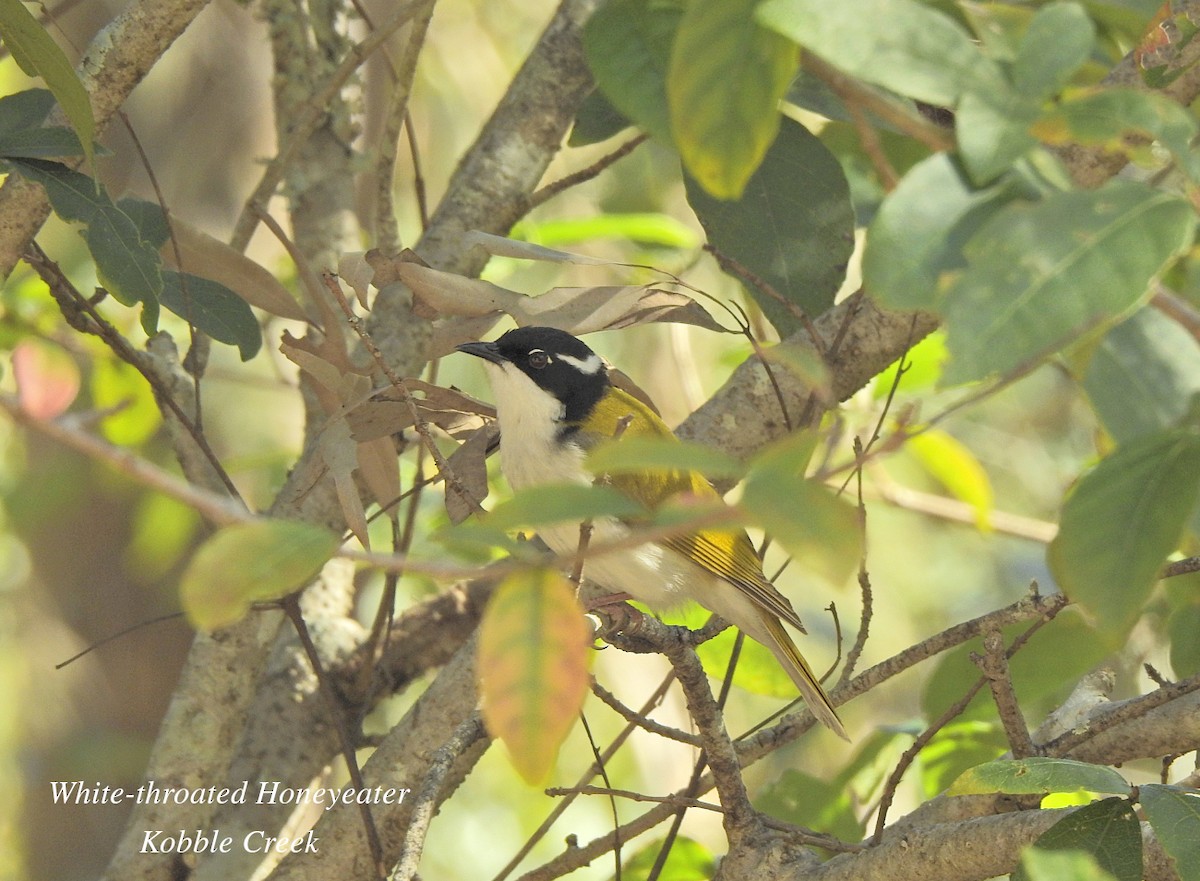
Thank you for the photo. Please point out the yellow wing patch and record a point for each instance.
(728, 554)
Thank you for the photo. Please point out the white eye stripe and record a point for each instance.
(589, 365)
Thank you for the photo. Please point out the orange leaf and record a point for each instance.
(47, 378)
(533, 678)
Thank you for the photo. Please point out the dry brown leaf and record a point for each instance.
(449, 294)
(211, 258)
(380, 471)
(340, 454)
(499, 246)
(586, 310)
(454, 412)
(356, 271)
(469, 464)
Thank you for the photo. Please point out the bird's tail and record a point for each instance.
(793, 662)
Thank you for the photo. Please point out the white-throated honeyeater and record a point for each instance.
(554, 402)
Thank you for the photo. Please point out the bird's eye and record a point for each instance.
(538, 359)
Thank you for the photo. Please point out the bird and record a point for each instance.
(555, 400)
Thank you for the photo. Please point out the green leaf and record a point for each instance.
(628, 45)
(22, 133)
(793, 227)
(820, 530)
(648, 228)
(813, 803)
(1120, 523)
(1063, 865)
(213, 309)
(40, 143)
(1038, 275)
(1143, 375)
(553, 503)
(597, 120)
(127, 266)
(632, 454)
(726, 77)
(38, 55)
(149, 219)
(993, 131)
(902, 45)
(915, 243)
(1058, 41)
(24, 110)
(1182, 626)
(250, 563)
(533, 675)
(1174, 815)
(1108, 117)
(1107, 829)
(955, 467)
(1036, 776)
(955, 749)
(689, 861)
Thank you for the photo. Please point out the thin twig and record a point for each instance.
(560, 808)
(63, 291)
(217, 509)
(599, 762)
(745, 274)
(586, 174)
(677, 800)
(418, 181)
(641, 721)
(922, 740)
(1180, 567)
(864, 587)
(291, 606)
(867, 136)
(993, 663)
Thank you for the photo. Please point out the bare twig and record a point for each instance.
(942, 721)
(994, 666)
(586, 174)
(64, 292)
(337, 714)
(676, 800)
(468, 732)
(217, 509)
(641, 720)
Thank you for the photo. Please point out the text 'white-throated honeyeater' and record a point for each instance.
(554, 402)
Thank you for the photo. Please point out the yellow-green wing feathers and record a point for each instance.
(726, 553)
(730, 555)
(793, 662)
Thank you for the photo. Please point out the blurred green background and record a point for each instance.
(85, 554)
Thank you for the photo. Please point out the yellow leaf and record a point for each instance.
(533, 678)
(955, 467)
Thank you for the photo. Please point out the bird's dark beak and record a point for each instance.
(486, 351)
